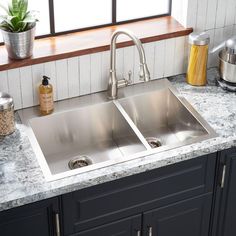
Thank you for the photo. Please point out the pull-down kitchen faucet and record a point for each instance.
(144, 74)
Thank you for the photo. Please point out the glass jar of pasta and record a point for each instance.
(197, 67)
(7, 122)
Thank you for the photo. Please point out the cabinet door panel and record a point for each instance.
(126, 227)
(35, 219)
(230, 209)
(225, 203)
(185, 218)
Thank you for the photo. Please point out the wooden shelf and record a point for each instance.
(92, 41)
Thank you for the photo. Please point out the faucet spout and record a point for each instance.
(144, 74)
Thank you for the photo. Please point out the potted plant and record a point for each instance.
(18, 29)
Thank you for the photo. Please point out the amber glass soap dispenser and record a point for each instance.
(46, 96)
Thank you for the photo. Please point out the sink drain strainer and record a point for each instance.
(153, 142)
(78, 162)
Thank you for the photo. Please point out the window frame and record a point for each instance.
(113, 23)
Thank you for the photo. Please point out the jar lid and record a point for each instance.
(199, 39)
(231, 45)
(6, 101)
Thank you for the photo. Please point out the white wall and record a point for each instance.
(88, 74)
(216, 17)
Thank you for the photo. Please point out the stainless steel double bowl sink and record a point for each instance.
(144, 121)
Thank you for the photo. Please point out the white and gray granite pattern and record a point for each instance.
(22, 181)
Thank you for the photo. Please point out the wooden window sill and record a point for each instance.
(92, 41)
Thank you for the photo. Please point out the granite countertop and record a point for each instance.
(22, 181)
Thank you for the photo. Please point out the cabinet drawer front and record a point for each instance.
(125, 227)
(131, 195)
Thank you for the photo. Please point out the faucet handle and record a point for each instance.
(130, 81)
(125, 82)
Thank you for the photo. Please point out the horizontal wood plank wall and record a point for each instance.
(93, 41)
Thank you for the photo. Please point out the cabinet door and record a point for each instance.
(225, 209)
(185, 218)
(36, 219)
(130, 226)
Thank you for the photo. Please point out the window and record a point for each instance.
(62, 16)
(79, 14)
(43, 26)
(134, 9)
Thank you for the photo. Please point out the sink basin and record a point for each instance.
(163, 117)
(86, 136)
(91, 132)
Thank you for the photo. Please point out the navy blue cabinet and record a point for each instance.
(184, 218)
(172, 200)
(224, 221)
(178, 195)
(37, 219)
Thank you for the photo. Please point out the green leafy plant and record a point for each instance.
(17, 18)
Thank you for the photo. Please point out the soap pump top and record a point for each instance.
(45, 81)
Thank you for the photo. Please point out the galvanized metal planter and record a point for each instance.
(19, 45)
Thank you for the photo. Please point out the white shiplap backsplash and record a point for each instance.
(216, 17)
(87, 74)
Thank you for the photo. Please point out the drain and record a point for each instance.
(153, 142)
(78, 162)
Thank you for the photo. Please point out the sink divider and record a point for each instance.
(132, 125)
